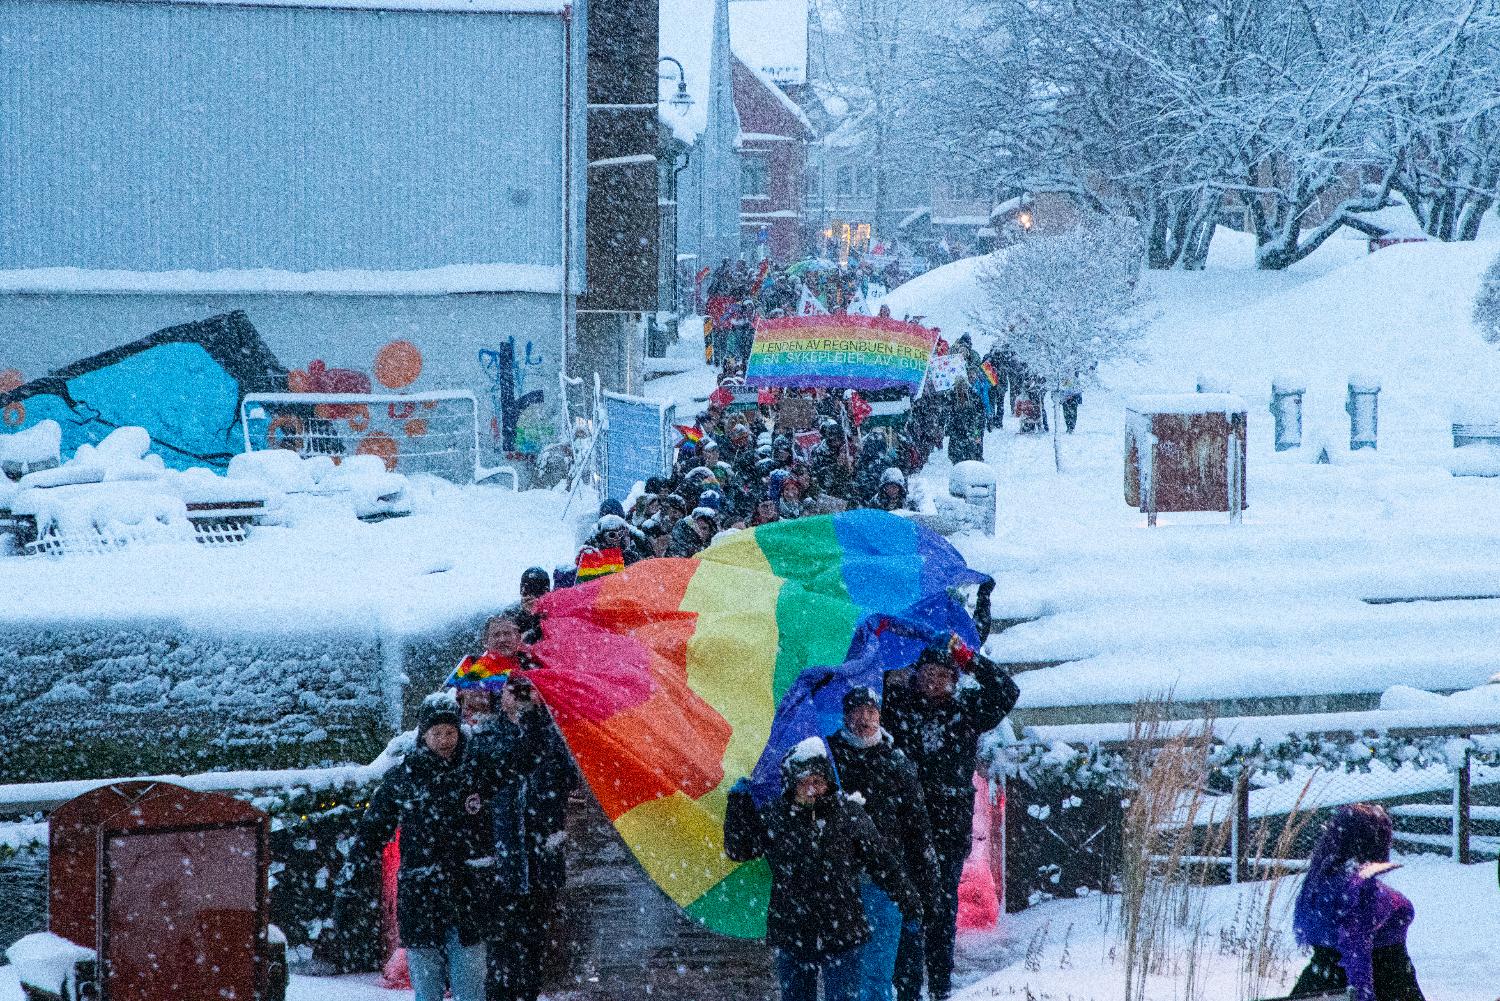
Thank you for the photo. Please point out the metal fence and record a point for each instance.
(1254, 809)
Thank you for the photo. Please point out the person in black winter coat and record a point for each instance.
(937, 725)
(832, 465)
(892, 493)
(820, 845)
(529, 817)
(869, 764)
(874, 458)
(691, 535)
(966, 420)
(439, 796)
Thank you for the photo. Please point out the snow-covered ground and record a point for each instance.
(1070, 950)
(1274, 606)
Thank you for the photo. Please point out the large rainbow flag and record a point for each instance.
(839, 352)
(675, 677)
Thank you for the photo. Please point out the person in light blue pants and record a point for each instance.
(458, 967)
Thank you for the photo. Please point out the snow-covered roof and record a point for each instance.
(759, 37)
(1186, 403)
(429, 281)
(791, 106)
(771, 36)
(1012, 204)
(913, 216)
(441, 6)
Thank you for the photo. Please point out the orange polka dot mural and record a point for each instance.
(398, 364)
(380, 444)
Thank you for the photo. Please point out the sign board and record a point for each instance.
(1186, 453)
(638, 442)
(839, 351)
(169, 886)
(946, 371)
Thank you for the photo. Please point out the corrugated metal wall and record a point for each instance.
(152, 136)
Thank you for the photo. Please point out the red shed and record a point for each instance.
(169, 887)
(1185, 453)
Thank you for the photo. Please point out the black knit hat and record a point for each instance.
(438, 708)
(862, 695)
(535, 582)
(810, 757)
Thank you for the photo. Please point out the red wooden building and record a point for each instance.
(774, 136)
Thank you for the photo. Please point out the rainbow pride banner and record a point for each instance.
(675, 677)
(839, 352)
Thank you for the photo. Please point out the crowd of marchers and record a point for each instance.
(756, 457)
(865, 839)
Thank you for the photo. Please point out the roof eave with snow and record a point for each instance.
(449, 280)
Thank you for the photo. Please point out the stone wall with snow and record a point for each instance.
(103, 699)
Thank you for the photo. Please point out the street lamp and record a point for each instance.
(681, 100)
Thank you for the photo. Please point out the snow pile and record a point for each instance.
(360, 483)
(119, 493)
(944, 297)
(112, 494)
(38, 447)
(1476, 460)
(1481, 699)
(123, 514)
(48, 962)
(1072, 948)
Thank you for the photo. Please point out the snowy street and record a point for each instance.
(749, 500)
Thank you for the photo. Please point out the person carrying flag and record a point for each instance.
(504, 651)
(614, 546)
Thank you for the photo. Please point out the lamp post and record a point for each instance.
(681, 100)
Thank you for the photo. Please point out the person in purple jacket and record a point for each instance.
(1355, 924)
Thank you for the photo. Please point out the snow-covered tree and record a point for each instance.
(1304, 114)
(867, 56)
(1066, 302)
(1487, 305)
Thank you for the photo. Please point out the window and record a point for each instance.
(866, 181)
(753, 177)
(814, 183)
(846, 180)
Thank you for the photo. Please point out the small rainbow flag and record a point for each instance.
(675, 677)
(990, 373)
(483, 671)
(689, 433)
(598, 562)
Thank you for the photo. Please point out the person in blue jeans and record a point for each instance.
(869, 765)
(821, 846)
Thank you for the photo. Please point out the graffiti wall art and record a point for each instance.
(183, 384)
(521, 425)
